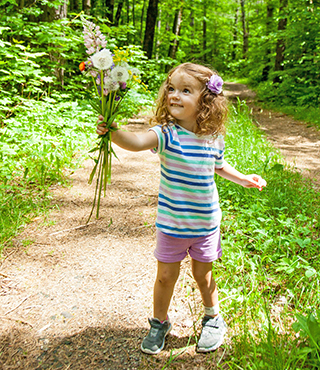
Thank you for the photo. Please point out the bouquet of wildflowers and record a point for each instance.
(112, 77)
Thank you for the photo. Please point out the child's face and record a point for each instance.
(183, 95)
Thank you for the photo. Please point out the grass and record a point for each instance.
(269, 274)
(268, 277)
(40, 145)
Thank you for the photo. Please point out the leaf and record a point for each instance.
(94, 149)
(314, 328)
(17, 41)
(47, 79)
(96, 107)
(310, 272)
(277, 167)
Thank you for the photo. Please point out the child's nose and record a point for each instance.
(175, 95)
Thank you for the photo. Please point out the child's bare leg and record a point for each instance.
(202, 273)
(167, 276)
(213, 325)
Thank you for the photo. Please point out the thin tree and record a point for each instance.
(142, 19)
(266, 69)
(86, 6)
(235, 34)
(158, 41)
(245, 45)
(204, 31)
(109, 6)
(176, 33)
(151, 20)
(74, 6)
(280, 48)
(118, 13)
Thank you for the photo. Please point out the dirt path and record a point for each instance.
(299, 143)
(74, 297)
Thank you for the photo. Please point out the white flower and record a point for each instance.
(102, 60)
(109, 84)
(135, 71)
(119, 74)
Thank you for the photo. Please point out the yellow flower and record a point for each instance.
(120, 55)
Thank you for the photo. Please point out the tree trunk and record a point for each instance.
(128, 8)
(204, 32)
(176, 31)
(86, 6)
(62, 10)
(128, 12)
(118, 14)
(151, 20)
(280, 48)
(109, 4)
(266, 69)
(133, 14)
(235, 35)
(142, 18)
(158, 42)
(245, 45)
(192, 32)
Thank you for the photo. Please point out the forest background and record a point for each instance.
(47, 125)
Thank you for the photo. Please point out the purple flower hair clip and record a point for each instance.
(215, 84)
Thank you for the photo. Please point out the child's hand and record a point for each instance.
(254, 181)
(101, 126)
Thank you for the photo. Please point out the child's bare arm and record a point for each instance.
(130, 140)
(248, 181)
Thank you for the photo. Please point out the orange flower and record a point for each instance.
(82, 66)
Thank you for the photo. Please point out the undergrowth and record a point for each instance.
(40, 144)
(268, 277)
(269, 274)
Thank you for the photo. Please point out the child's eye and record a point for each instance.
(171, 89)
(187, 91)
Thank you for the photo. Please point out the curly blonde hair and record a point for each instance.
(212, 108)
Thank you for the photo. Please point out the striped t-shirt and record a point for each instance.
(188, 203)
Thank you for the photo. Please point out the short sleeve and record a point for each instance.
(219, 156)
(158, 131)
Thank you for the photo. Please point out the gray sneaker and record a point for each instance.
(153, 343)
(212, 334)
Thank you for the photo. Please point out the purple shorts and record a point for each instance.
(203, 249)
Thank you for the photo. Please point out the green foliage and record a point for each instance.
(269, 275)
(297, 81)
(309, 326)
(39, 146)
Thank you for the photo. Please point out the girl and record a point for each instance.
(188, 138)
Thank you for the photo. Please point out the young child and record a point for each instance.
(188, 138)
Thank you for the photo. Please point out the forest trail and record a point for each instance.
(78, 297)
(298, 142)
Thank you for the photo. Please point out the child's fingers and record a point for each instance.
(256, 181)
(101, 129)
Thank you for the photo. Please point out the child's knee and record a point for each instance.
(167, 276)
(203, 279)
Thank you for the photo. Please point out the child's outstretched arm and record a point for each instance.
(248, 181)
(129, 140)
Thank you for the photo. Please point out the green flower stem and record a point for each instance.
(98, 165)
(100, 175)
(103, 98)
(110, 158)
(95, 85)
(106, 163)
